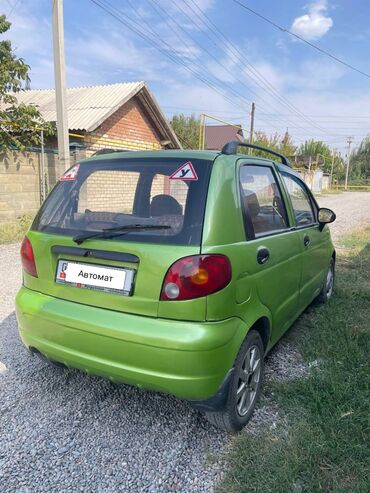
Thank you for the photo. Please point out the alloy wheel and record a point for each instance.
(329, 281)
(249, 379)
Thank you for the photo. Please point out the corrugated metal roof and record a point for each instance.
(216, 136)
(87, 107)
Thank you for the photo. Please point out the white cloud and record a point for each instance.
(315, 23)
(315, 74)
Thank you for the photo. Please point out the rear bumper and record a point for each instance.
(187, 359)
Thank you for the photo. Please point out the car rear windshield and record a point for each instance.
(99, 195)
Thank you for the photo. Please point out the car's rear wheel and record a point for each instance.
(245, 387)
(328, 287)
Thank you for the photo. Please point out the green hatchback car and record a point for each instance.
(175, 271)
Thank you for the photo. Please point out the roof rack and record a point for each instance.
(231, 148)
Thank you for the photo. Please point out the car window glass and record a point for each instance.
(177, 189)
(301, 203)
(106, 194)
(109, 191)
(262, 200)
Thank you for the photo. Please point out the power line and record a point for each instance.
(15, 5)
(267, 86)
(158, 8)
(283, 29)
(169, 54)
(107, 7)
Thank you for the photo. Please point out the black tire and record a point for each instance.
(328, 287)
(234, 417)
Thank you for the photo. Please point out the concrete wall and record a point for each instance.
(21, 184)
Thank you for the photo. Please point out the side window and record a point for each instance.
(302, 207)
(262, 200)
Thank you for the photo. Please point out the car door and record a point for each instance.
(312, 240)
(272, 250)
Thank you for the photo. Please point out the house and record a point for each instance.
(216, 136)
(118, 116)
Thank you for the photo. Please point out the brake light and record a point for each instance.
(28, 258)
(196, 276)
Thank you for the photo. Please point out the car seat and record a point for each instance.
(168, 212)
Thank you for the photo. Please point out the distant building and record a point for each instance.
(117, 116)
(216, 136)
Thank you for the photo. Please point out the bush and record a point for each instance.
(13, 232)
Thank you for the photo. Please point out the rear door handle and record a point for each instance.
(306, 240)
(263, 255)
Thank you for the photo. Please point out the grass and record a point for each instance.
(13, 232)
(326, 447)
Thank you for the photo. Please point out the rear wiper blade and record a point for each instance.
(117, 231)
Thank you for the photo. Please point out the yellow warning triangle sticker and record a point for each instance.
(186, 172)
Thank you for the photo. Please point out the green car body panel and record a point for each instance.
(186, 347)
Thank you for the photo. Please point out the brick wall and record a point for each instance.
(20, 182)
(127, 128)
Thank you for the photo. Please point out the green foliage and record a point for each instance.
(313, 148)
(18, 122)
(323, 445)
(12, 232)
(187, 130)
(321, 157)
(360, 163)
(283, 144)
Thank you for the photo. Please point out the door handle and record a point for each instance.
(263, 255)
(306, 240)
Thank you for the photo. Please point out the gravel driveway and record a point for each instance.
(61, 430)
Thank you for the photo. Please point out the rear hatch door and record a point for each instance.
(83, 256)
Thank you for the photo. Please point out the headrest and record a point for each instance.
(251, 203)
(163, 205)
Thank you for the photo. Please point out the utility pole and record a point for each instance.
(349, 142)
(251, 132)
(60, 83)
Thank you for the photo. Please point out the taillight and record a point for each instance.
(196, 276)
(28, 258)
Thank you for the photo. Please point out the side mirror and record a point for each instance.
(325, 216)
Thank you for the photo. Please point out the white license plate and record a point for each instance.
(94, 276)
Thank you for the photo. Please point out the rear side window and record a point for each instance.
(111, 194)
(302, 206)
(263, 205)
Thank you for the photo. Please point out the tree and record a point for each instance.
(314, 153)
(18, 122)
(360, 161)
(187, 130)
(313, 148)
(276, 142)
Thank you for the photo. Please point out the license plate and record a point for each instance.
(97, 277)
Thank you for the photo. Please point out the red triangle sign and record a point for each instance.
(185, 172)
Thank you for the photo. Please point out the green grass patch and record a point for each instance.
(13, 232)
(326, 447)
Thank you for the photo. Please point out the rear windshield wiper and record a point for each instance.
(117, 231)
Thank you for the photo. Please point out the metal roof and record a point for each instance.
(89, 106)
(216, 136)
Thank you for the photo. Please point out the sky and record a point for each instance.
(213, 56)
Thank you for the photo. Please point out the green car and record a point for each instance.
(175, 271)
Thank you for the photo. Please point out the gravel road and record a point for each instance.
(61, 430)
(352, 210)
